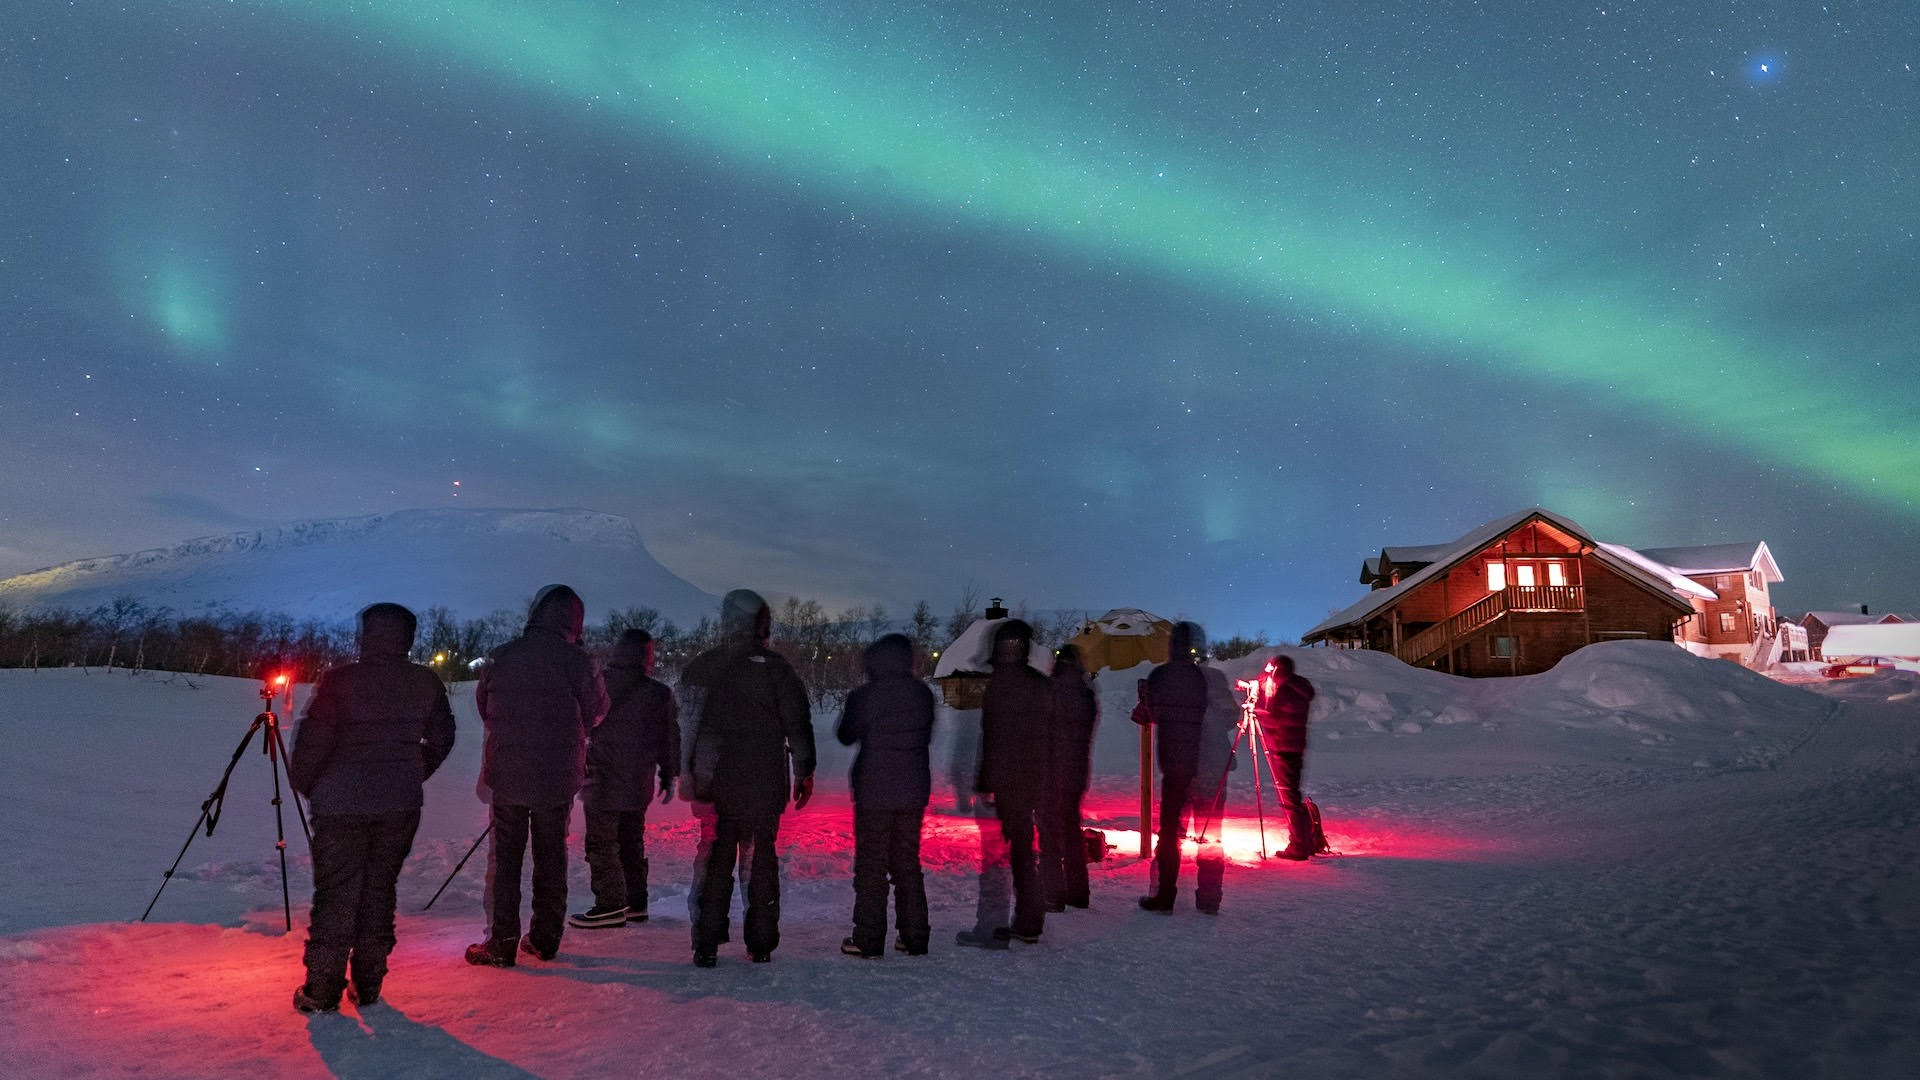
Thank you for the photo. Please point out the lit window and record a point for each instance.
(1556, 573)
(1726, 622)
(1523, 575)
(1496, 576)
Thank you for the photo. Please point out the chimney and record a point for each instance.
(995, 611)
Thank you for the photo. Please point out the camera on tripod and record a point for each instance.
(275, 679)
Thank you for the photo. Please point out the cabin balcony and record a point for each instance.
(1546, 598)
(1514, 599)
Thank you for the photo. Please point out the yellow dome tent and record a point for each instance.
(1123, 638)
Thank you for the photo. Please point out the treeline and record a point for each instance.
(824, 647)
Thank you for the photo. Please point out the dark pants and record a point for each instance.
(1176, 791)
(1287, 767)
(512, 825)
(1019, 813)
(617, 858)
(1063, 850)
(733, 835)
(996, 883)
(356, 861)
(709, 822)
(1188, 800)
(886, 848)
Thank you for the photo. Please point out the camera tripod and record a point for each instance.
(275, 748)
(1248, 732)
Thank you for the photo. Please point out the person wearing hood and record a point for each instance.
(1063, 847)
(890, 718)
(752, 749)
(638, 740)
(538, 696)
(373, 732)
(1285, 696)
(1177, 699)
(1016, 720)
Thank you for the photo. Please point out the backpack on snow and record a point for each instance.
(1317, 844)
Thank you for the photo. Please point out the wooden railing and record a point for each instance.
(1545, 598)
(1438, 637)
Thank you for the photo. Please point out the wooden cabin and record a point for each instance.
(1510, 598)
(1817, 623)
(1738, 623)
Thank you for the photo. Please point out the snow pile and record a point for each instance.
(1640, 701)
(973, 649)
(329, 569)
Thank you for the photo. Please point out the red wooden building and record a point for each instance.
(1738, 623)
(1510, 598)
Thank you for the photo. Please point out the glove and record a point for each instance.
(802, 791)
(666, 789)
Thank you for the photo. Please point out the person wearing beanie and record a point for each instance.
(638, 740)
(1063, 846)
(1016, 718)
(752, 750)
(373, 732)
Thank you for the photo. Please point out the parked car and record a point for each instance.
(1865, 665)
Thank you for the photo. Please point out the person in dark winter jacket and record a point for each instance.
(890, 718)
(1177, 696)
(1282, 713)
(1063, 848)
(1016, 720)
(538, 696)
(752, 749)
(373, 732)
(638, 740)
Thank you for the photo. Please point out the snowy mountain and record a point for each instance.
(471, 561)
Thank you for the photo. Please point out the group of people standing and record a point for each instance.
(734, 739)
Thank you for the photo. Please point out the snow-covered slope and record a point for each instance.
(472, 561)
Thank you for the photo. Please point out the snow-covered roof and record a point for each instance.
(1415, 553)
(1479, 537)
(1127, 622)
(1900, 640)
(970, 652)
(1850, 618)
(1718, 558)
(1674, 579)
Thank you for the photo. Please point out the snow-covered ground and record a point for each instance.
(1638, 864)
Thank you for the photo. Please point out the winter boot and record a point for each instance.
(599, 918)
(852, 948)
(1294, 854)
(760, 957)
(705, 958)
(527, 946)
(1161, 902)
(364, 994)
(487, 954)
(1008, 933)
(974, 939)
(307, 1003)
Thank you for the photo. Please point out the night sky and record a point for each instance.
(1186, 307)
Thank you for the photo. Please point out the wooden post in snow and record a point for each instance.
(1146, 791)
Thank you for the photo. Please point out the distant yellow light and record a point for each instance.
(439, 658)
